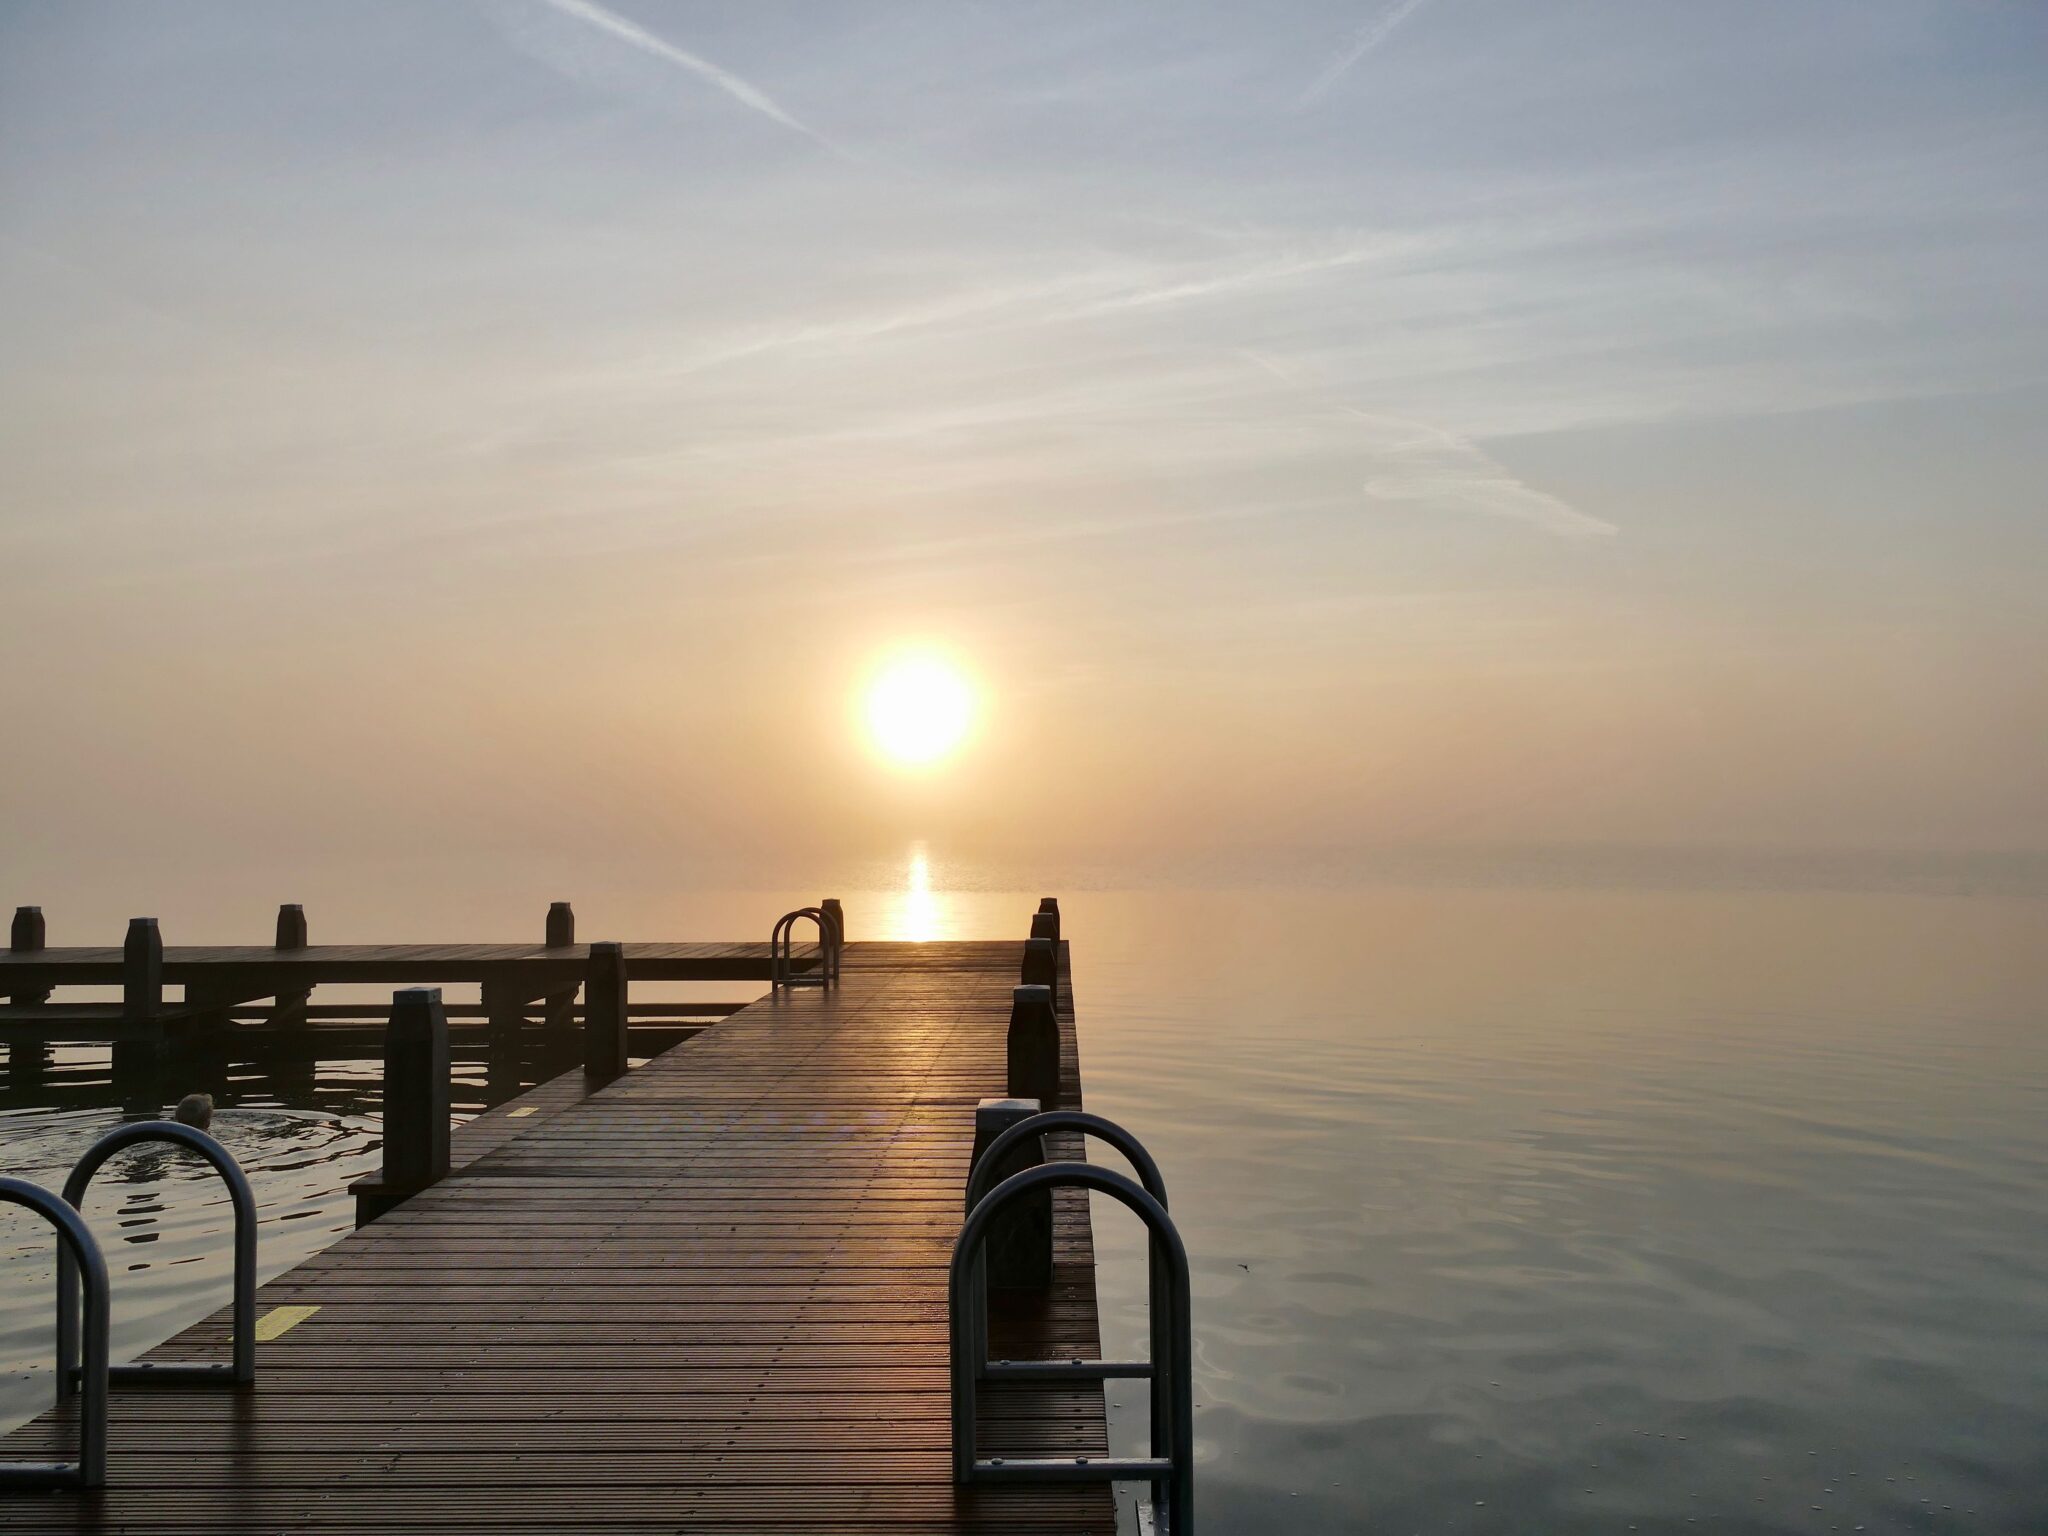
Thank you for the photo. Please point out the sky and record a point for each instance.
(508, 434)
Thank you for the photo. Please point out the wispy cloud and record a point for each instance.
(1415, 461)
(741, 90)
(1100, 291)
(1363, 41)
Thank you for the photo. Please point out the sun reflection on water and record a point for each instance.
(917, 916)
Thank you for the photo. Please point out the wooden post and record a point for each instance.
(1020, 1241)
(27, 1060)
(415, 1093)
(142, 970)
(1041, 965)
(1045, 925)
(604, 1014)
(829, 960)
(289, 1006)
(1049, 906)
(28, 1063)
(504, 1002)
(139, 1051)
(558, 1043)
(27, 935)
(1034, 1046)
(561, 931)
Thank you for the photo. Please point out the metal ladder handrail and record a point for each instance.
(782, 970)
(74, 1238)
(982, 1176)
(170, 1374)
(1169, 1260)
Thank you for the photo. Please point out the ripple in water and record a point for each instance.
(162, 1217)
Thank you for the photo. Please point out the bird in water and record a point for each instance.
(195, 1110)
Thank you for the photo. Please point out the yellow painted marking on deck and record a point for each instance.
(521, 1114)
(281, 1320)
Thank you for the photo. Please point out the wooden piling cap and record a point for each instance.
(1033, 998)
(561, 928)
(416, 1010)
(27, 934)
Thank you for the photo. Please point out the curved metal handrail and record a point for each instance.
(243, 1370)
(75, 1240)
(983, 1174)
(1169, 1259)
(782, 971)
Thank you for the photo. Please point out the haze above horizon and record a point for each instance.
(519, 430)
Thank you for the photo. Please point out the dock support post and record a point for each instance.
(28, 1065)
(1019, 1253)
(27, 1060)
(604, 1014)
(558, 1010)
(415, 1103)
(1034, 1047)
(1049, 906)
(290, 1006)
(504, 1002)
(201, 1052)
(1045, 925)
(139, 1051)
(831, 908)
(27, 936)
(1041, 964)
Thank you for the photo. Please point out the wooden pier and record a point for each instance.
(254, 1003)
(710, 1295)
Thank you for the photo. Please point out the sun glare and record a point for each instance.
(919, 709)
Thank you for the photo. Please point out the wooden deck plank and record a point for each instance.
(710, 1296)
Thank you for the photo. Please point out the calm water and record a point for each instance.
(1512, 1211)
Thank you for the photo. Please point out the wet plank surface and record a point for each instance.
(708, 1297)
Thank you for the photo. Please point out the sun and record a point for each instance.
(919, 708)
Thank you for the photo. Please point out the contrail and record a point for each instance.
(1368, 37)
(740, 90)
(1422, 462)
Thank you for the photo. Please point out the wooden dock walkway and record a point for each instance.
(710, 1296)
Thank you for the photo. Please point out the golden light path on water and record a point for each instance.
(916, 915)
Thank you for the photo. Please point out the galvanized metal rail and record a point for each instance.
(240, 1371)
(88, 1469)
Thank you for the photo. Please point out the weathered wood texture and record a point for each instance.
(710, 1296)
